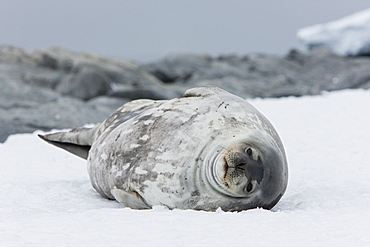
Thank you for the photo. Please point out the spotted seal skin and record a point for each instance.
(206, 150)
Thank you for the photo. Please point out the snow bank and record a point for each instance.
(46, 198)
(347, 36)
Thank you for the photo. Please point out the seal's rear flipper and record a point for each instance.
(77, 141)
(130, 199)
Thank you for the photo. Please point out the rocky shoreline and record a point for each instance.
(57, 88)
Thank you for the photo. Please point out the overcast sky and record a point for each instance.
(145, 30)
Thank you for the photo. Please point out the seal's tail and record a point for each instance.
(77, 141)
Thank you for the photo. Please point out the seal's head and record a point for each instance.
(242, 169)
(252, 169)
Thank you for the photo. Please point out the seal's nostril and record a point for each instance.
(241, 166)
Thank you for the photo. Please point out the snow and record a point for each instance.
(46, 198)
(347, 36)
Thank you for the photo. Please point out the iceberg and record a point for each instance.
(349, 36)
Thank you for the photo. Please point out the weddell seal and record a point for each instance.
(206, 150)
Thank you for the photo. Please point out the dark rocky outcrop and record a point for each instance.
(58, 88)
(296, 74)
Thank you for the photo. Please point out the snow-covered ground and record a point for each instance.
(46, 198)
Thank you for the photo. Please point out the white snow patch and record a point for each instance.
(161, 167)
(114, 169)
(347, 36)
(127, 165)
(144, 138)
(103, 156)
(127, 131)
(135, 145)
(138, 170)
(147, 122)
(168, 155)
(46, 198)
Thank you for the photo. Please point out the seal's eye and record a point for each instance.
(249, 151)
(249, 187)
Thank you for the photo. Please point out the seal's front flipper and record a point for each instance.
(130, 199)
(76, 141)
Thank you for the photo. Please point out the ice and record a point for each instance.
(347, 36)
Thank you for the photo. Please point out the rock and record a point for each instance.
(328, 71)
(79, 75)
(141, 91)
(57, 88)
(15, 94)
(90, 76)
(86, 84)
(40, 77)
(15, 55)
(7, 129)
(178, 67)
(264, 76)
(108, 101)
(348, 36)
(25, 108)
(63, 113)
